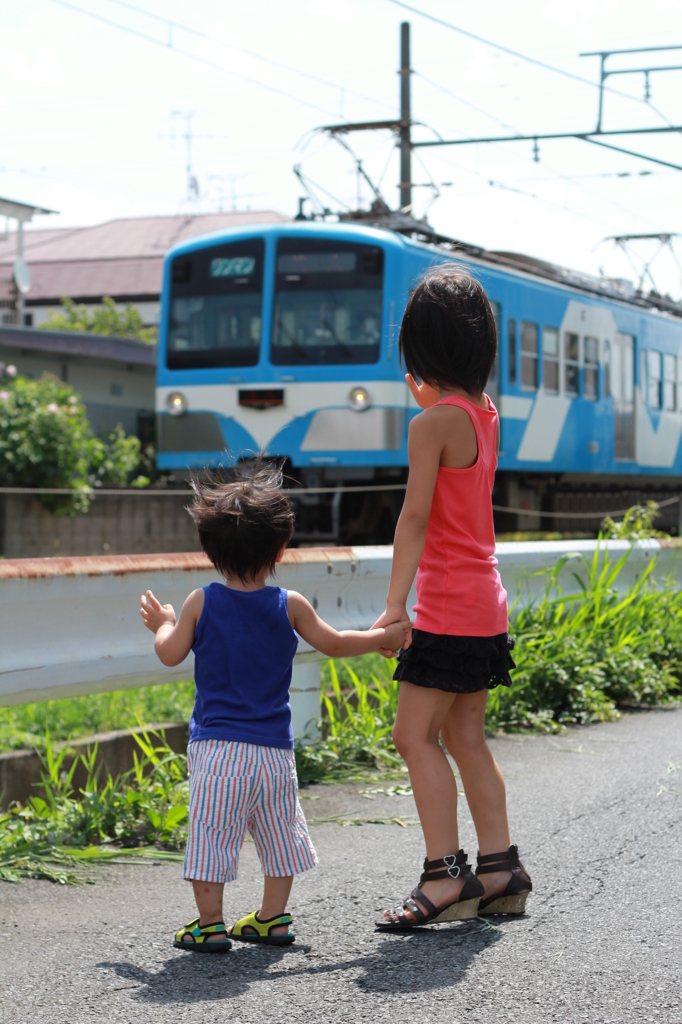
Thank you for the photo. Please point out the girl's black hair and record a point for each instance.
(448, 336)
(243, 524)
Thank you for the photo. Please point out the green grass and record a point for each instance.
(579, 657)
(26, 725)
(142, 812)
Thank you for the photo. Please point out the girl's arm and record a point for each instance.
(173, 639)
(324, 638)
(424, 447)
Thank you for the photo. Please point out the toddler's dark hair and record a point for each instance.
(448, 336)
(243, 524)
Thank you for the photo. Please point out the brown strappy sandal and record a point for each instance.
(466, 904)
(512, 899)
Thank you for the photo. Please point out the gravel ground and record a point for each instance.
(596, 812)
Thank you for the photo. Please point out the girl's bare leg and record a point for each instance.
(421, 713)
(464, 736)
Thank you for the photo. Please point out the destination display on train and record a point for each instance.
(233, 266)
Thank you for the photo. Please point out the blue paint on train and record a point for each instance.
(585, 383)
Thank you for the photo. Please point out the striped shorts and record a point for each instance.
(237, 786)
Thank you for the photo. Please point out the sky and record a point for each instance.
(97, 96)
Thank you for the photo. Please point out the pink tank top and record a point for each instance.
(459, 590)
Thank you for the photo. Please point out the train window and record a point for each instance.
(328, 297)
(529, 355)
(215, 306)
(679, 384)
(495, 306)
(591, 373)
(571, 362)
(512, 350)
(550, 360)
(653, 390)
(607, 369)
(669, 382)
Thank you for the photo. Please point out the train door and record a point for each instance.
(493, 386)
(623, 391)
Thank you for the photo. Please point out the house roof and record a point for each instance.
(78, 343)
(122, 258)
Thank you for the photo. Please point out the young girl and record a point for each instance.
(460, 647)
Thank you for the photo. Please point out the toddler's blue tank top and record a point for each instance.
(244, 650)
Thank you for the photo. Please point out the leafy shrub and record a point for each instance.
(104, 319)
(637, 524)
(46, 441)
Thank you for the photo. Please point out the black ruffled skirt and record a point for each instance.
(456, 664)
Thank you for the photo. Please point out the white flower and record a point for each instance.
(11, 371)
(53, 407)
(73, 400)
(73, 411)
(4, 395)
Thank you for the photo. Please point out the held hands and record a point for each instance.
(395, 635)
(154, 614)
(425, 395)
(394, 617)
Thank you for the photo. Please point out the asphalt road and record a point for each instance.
(597, 814)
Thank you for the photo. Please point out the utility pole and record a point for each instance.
(400, 127)
(405, 121)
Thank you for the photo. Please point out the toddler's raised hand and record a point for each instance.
(154, 614)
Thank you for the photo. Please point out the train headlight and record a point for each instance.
(176, 403)
(358, 399)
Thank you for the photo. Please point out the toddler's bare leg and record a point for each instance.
(420, 715)
(464, 736)
(209, 900)
(275, 897)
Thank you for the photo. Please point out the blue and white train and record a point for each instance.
(284, 339)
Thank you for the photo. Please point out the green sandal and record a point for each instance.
(260, 930)
(199, 942)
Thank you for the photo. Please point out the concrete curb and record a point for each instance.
(21, 770)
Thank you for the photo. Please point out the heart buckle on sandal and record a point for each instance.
(453, 868)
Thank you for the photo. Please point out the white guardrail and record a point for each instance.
(72, 625)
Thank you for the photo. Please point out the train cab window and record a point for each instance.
(653, 390)
(511, 341)
(529, 355)
(591, 372)
(571, 363)
(215, 306)
(669, 383)
(328, 298)
(550, 360)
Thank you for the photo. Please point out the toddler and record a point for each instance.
(242, 770)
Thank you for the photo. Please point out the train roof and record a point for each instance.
(401, 228)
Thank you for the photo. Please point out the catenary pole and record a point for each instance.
(405, 120)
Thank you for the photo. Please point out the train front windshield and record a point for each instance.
(215, 306)
(327, 302)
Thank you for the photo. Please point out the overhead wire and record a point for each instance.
(192, 56)
(524, 56)
(242, 49)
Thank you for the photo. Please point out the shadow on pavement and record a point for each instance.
(416, 962)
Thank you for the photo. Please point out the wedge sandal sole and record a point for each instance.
(506, 905)
(458, 911)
